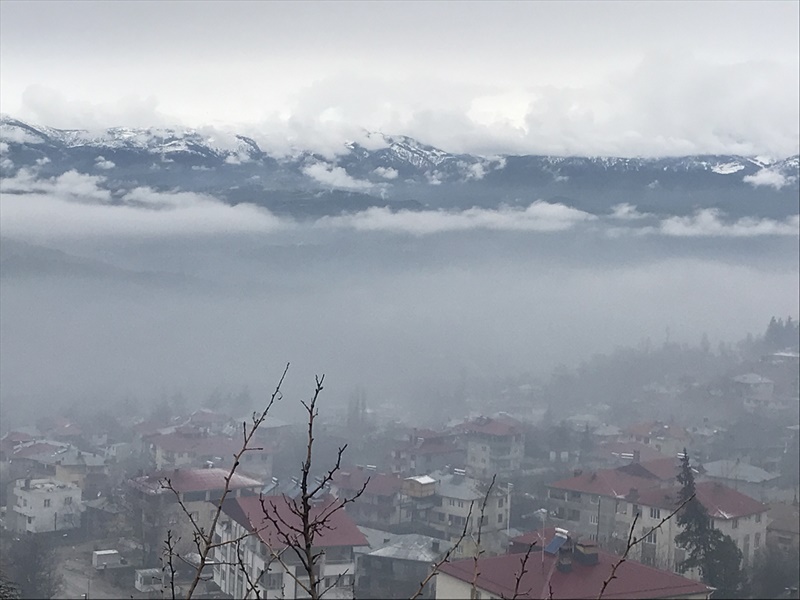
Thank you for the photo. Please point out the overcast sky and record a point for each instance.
(625, 78)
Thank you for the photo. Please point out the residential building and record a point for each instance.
(156, 508)
(380, 503)
(395, 568)
(495, 446)
(424, 451)
(44, 505)
(741, 476)
(755, 392)
(279, 578)
(783, 526)
(456, 507)
(561, 569)
(668, 438)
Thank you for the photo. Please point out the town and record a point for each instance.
(534, 492)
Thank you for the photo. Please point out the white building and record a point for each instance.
(282, 578)
(42, 505)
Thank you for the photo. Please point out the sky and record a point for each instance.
(610, 78)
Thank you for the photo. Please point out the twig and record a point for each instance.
(478, 551)
(169, 551)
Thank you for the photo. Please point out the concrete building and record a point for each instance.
(495, 446)
(44, 505)
(275, 578)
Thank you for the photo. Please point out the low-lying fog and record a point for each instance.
(402, 315)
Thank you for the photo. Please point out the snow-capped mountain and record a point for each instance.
(394, 170)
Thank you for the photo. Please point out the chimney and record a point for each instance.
(435, 545)
(637, 455)
(633, 495)
(586, 553)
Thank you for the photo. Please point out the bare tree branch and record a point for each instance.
(478, 550)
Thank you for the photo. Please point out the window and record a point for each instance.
(460, 504)
(636, 510)
(30, 520)
(758, 518)
(574, 515)
(655, 513)
(594, 499)
(593, 519)
(68, 500)
(452, 502)
(735, 524)
(557, 494)
(500, 518)
(757, 540)
(574, 495)
(622, 508)
(500, 503)
(24, 502)
(47, 502)
(652, 538)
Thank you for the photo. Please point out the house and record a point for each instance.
(191, 446)
(757, 393)
(668, 438)
(783, 525)
(87, 470)
(495, 446)
(381, 502)
(742, 476)
(455, 507)
(733, 513)
(44, 505)
(424, 451)
(562, 568)
(395, 568)
(616, 454)
(279, 579)
(156, 506)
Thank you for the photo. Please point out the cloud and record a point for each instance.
(538, 217)
(626, 212)
(709, 223)
(75, 205)
(70, 186)
(386, 172)
(3, 148)
(768, 177)
(335, 177)
(102, 163)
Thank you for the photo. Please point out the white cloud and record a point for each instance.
(102, 163)
(3, 148)
(40, 162)
(538, 217)
(335, 177)
(71, 185)
(768, 177)
(626, 212)
(386, 172)
(709, 223)
(7, 164)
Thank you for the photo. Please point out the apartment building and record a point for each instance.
(44, 505)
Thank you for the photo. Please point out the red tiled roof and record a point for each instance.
(497, 575)
(379, 484)
(248, 512)
(540, 537)
(192, 480)
(612, 483)
(720, 501)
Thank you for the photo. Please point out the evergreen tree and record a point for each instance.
(710, 551)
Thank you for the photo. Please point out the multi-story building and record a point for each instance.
(601, 506)
(669, 439)
(44, 505)
(495, 446)
(264, 541)
(457, 504)
(424, 451)
(381, 502)
(783, 528)
(155, 507)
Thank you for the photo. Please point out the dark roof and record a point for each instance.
(192, 480)
(248, 512)
(720, 501)
(497, 575)
(199, 445)
(492, 426)
(664, 469)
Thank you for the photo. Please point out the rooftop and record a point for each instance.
(496, 426)
(248, 512)
(413, 546)
(497, 575)
(740, 471)
(720, 501)
(612, 483)
(191, 480)
(380, 484)
(784, 517)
